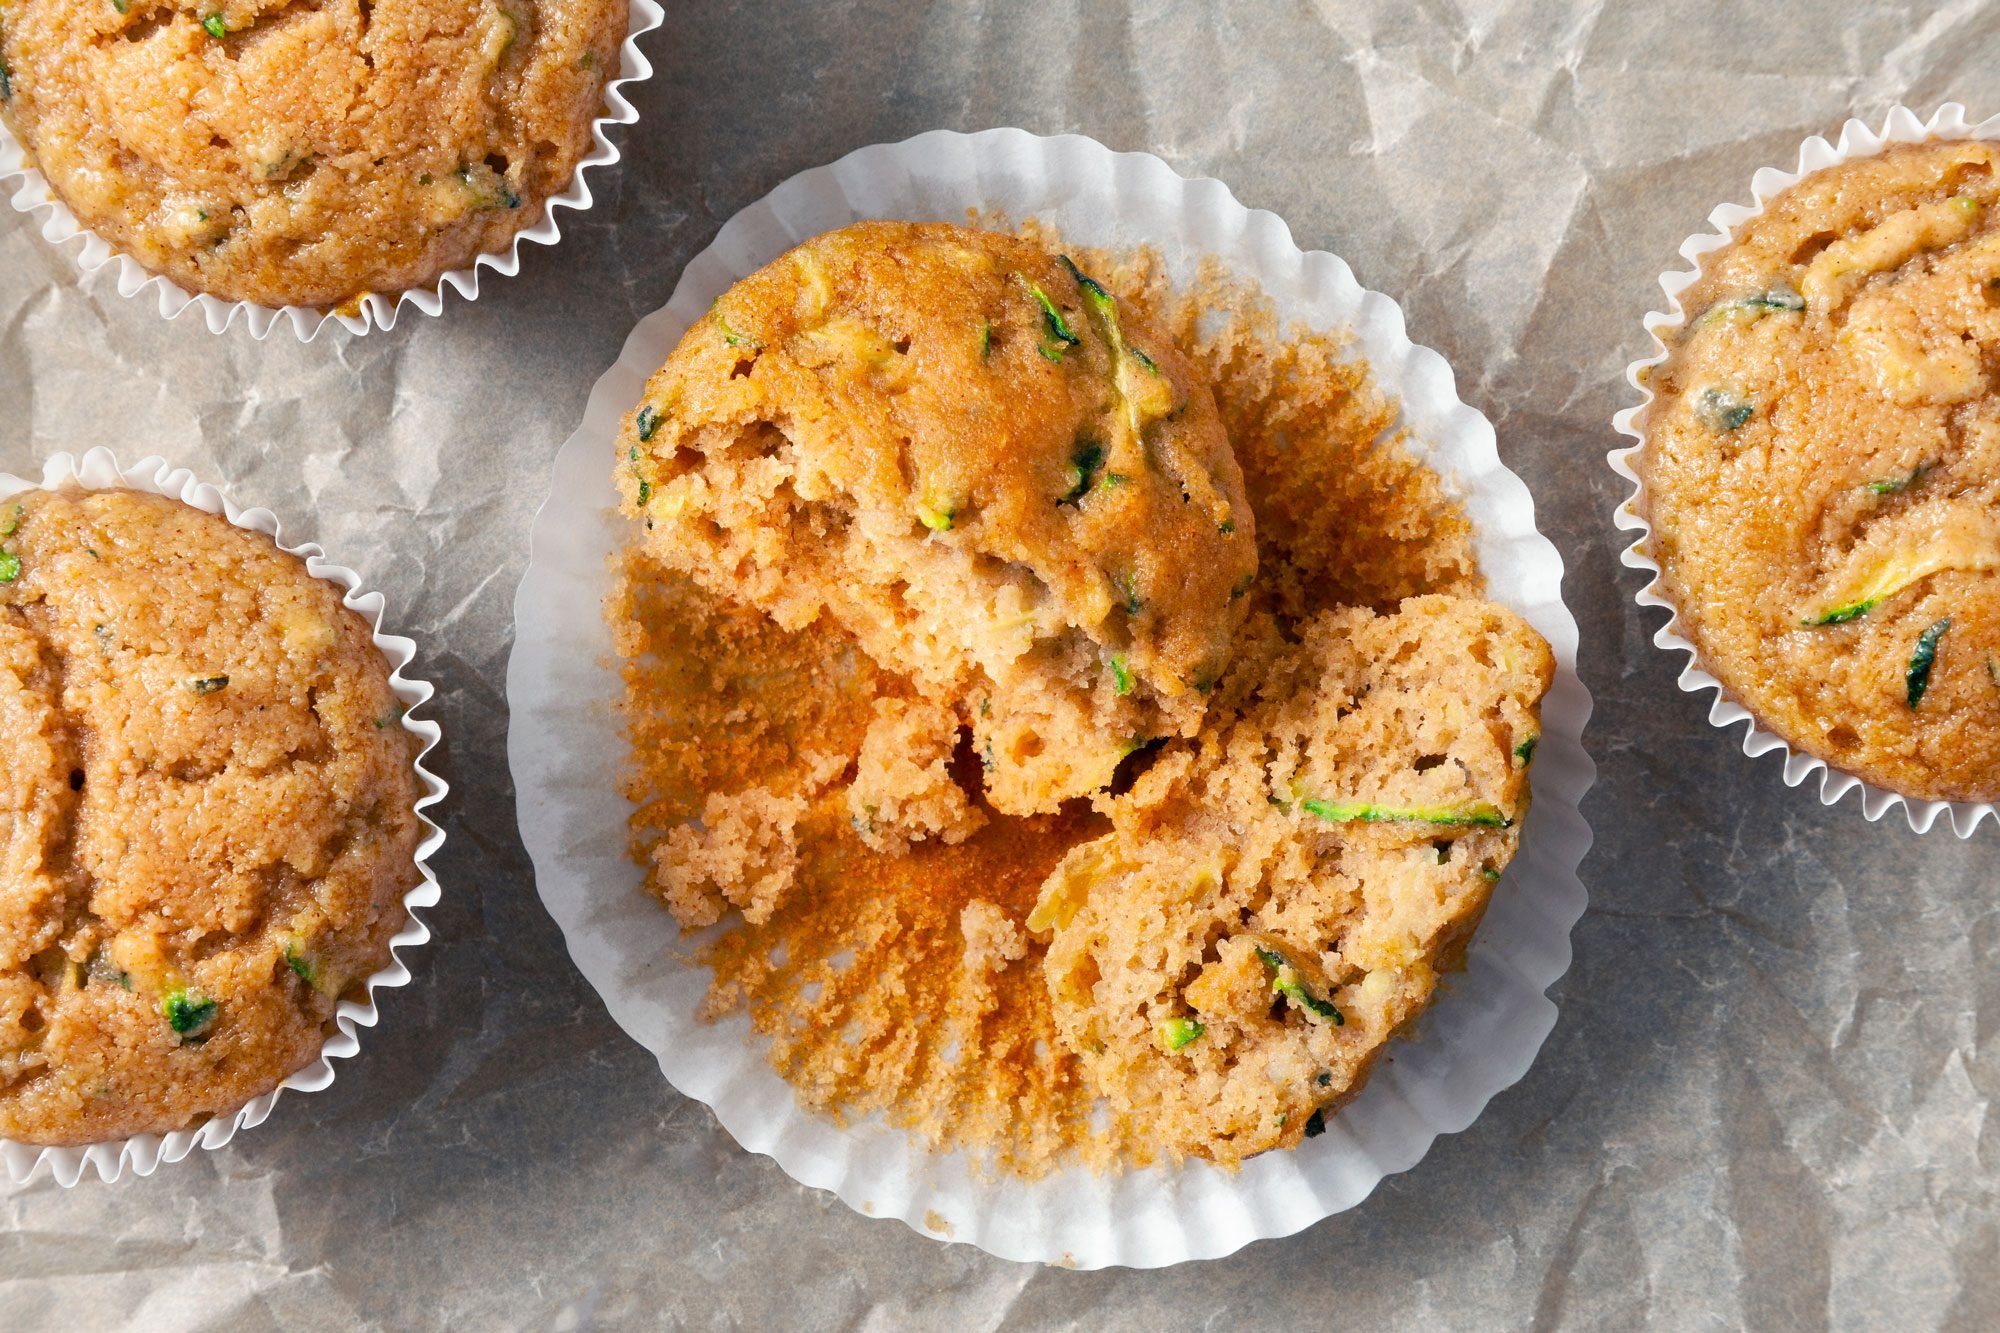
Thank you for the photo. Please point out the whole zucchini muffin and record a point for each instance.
(1822, 468)
(306, 152)
(207, 815)
(960, 449)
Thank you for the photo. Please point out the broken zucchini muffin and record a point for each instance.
(1200, 961)
(964, 452)
(1276, 898)
(207, 814)
(306, 152)
(1821, 465)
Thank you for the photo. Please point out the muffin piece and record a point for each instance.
(1273, 903)
(307, 152)
(1822, 469)
(965, 453)
(903, 791)
(207, 815)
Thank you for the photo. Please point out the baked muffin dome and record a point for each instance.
(1822, 468)
(964, 452)
(307, 152)
(207, 814)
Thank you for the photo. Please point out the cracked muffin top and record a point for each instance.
(962, 450)
(306, 152)
(1822, 468)
(207, 815)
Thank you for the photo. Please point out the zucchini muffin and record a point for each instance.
(207, 815)
(1274, 902)
(1822, 468)
(959, 449)
(1209, 955)
(306, 152)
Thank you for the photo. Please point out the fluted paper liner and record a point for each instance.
(565, 744)
(377, 309)
(1856, 140)
(143, 1153)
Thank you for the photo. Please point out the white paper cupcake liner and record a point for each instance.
(1856, 140)
(375, 310)
(143, 1153)
(1487, 1023)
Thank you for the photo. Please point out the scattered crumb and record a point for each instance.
(935, 1222)
(992, 940)
(903, 791)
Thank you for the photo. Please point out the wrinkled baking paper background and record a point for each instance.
(1765, 1102)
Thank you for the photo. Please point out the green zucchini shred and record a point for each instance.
(12, 523)
(187, 1013)
(729, 335)
(1722, 411)
(1293, 989)
(1525, 751)
(215, 26)
(1480, 814)
(649, 425)
(1776, 301)
(1918, 680)
(1121, 675)
(207, 684)
(1179, 1032)
(1083, 470)
(10, 566)
(1840, 615)
(1899, 484)
(1056, 327)
(1316, 1123)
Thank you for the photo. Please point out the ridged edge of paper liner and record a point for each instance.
(142, 1154)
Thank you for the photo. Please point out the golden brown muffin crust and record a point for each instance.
(965, 452)
(206, 814)
(315, 150)
(1822, 468)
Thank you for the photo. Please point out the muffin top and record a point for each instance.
(206, 814)
(966, 453)
(307, 152)
(1822, 468)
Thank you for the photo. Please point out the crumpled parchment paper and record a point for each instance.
(1765, 1102)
